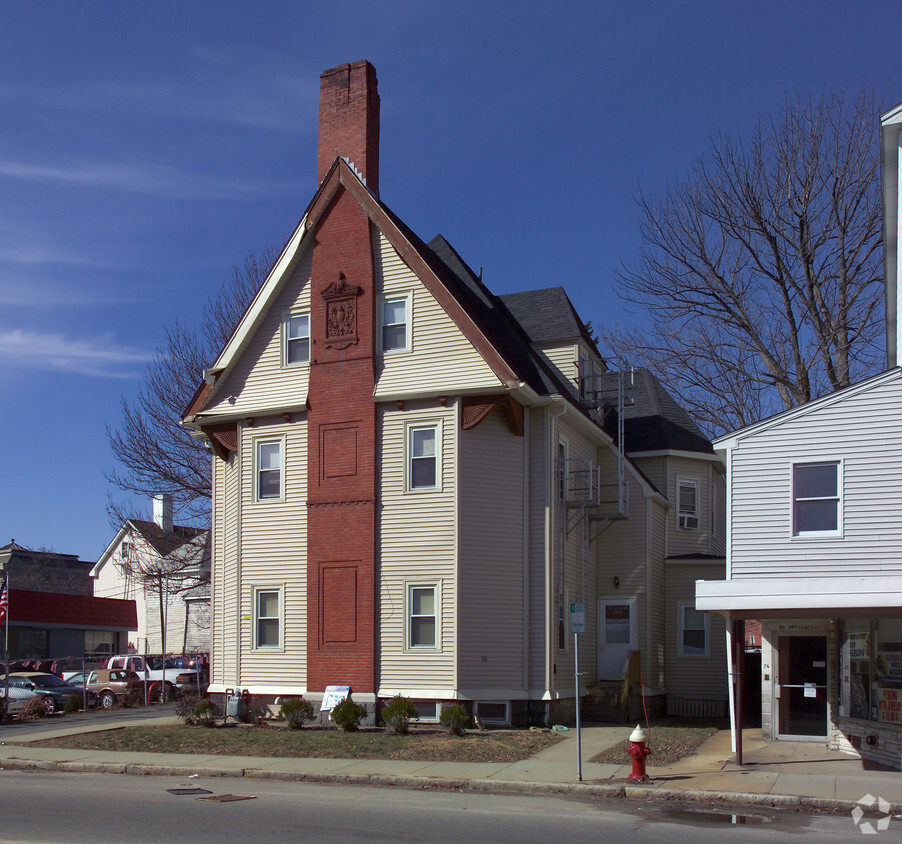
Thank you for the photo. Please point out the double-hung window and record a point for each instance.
(817, 499)
(268, 618)
(396, 323)
(269, 470)
(422, 457)
(297, 338)
(687, 496)
(422, 627)
(693, 631)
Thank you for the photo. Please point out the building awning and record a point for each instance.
(81, 611)
(822, 597)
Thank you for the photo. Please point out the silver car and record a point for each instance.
(17, 700)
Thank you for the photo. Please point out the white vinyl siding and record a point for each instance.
(441, 357)
(418, 546)
(492, 566)
(680, 539)
(761, 495)
(260, 381)
(564, 357)
(274, 555)
(225, 577)
(541, 486)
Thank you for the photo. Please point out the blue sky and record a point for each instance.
(146, 148)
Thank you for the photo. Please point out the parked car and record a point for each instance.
(18, 698)
(54, 690)
(110, 686)
(159, 671)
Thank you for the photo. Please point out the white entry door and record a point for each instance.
(616, 635)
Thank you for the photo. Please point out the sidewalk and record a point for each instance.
(775, 773)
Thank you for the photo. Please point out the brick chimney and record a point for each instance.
(349, 120)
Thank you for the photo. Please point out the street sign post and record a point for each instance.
(577, 625)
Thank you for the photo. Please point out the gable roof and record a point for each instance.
(652, 418)
(481, 316)
(731, 440)
(162, 541)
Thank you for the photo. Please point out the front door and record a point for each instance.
(616, 636)
(800, 686)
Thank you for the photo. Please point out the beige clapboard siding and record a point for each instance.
(657, 622)
(491, 566)
(681, 540)
(418, 544)
(863, 431)
(580, 452)
(259, 381)
(226, 571)
(441, 357)
(539, 574)
(655, 469)
(719, 529)
(694, 677)
(564, 357)
(274, 554)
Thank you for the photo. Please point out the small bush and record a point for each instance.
(398, 713)
(205, 713)
(73, 705)
(184, 708)
(348, 714)
(34, 709)
(296, 712)
(455, 719)
(256, 712)
(132, 699)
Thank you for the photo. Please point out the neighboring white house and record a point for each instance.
(815, 546)
(416, 481)
(145, 557)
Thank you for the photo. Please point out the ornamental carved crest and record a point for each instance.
(341, 313)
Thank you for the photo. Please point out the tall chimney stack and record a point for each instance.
(162, 511)
(349, 120)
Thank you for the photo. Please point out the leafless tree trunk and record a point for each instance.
(761, 274)
(155, 454)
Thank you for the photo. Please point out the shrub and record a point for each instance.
(34, 709)
(73, 705)
(205, 712)
(296, 712)
(398, 713)
(348, 714)
(255, 713)
(455, 719)
(184, 708)
(132, 699)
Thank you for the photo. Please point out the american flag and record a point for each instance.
(4, 599)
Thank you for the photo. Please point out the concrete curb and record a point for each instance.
(588, 789)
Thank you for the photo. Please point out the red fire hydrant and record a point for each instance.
(638, 751)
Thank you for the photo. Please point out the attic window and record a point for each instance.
(123, 551)
(396, 324)
(297, 339)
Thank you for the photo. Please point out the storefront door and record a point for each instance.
(800, 686)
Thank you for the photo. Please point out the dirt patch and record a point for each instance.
(668, 744)
(277, 741)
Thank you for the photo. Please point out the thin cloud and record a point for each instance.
(151, 180)
(99, 356)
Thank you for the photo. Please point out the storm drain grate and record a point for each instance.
(183, 791)
(228, 798)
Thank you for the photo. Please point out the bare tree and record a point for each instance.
(156, 454)
(761, 274)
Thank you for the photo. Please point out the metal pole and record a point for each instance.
(579, 743)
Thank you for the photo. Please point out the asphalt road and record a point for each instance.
(40, 806)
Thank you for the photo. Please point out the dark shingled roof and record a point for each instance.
(652, 420)
(547, 315)
(162, 541)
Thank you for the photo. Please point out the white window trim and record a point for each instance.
(407, 297)
(507, 711)
(681, 616)
(816, 534)
(693, 482)
(436, 587)
(256, 443)
(286, 315)
(409, 427)
(255, 592)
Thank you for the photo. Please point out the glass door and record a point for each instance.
(801, 686)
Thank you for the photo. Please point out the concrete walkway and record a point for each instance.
(774, 773)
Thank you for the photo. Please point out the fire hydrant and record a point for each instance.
(638, 751)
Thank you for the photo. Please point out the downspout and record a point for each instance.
(550, 453)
